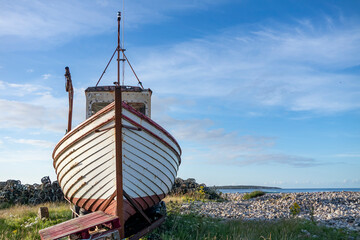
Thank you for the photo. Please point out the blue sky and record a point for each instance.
(256, 92)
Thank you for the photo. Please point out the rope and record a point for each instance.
(122, 49)
(106, 67)
(133, 70)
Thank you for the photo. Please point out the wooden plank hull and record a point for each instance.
(84, 161)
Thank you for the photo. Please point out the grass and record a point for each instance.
(13, 222)
(20, 222)
(253, 194)
(5, 205)
(195, 227)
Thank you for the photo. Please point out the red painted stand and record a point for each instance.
(80, 226)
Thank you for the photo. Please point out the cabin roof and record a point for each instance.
(112, 88)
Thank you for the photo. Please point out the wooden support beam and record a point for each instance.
(137, 208)
(108, 201)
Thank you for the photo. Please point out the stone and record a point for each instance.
(337, 209)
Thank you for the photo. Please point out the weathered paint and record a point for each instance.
(99, 97)
(85, 161)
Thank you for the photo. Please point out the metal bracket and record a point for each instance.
(104, 129)
(131, 127)
(124, 126)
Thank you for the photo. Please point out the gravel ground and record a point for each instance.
(334, 209)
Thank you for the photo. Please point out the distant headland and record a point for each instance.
(244, 187)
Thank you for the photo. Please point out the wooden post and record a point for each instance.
(70, 90)
(118, 142)
(118, 159)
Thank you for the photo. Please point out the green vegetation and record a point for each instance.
(253, 194)
(295, 209)
(5, 205)
(20, 222)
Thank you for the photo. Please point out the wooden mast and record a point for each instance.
(70, 90)
(118, 141)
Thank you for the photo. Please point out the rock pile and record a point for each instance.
(335, 209)
(185, 186)
(13, 192)
(190, 186)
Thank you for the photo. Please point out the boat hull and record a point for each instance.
(84, 161)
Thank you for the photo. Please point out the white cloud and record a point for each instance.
(206, 143)
(20, 90)
(347, 155)
(30, 70)
(21, 114)
(216, 146)
(34, 111)
(297, 68)
(46, 76)
(36, 107)
(22, 155)
(39, 21)
(34, 142)
(282, 159)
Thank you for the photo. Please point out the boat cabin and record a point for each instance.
(99, 97)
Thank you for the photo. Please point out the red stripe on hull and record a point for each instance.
(149, 120)
(105, 110)
(95, 204)
(151, 133)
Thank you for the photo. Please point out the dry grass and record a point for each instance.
(21, 210)
(177, 199)
(21, 222)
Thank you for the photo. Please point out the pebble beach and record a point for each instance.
(332, 209)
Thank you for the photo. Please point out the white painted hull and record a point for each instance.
(84, 161)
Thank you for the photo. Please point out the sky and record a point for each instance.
(256, 92)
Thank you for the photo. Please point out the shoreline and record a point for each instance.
(244, 187)
(288, 190)
(332, 209)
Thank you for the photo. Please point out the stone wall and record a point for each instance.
(13, 192)
(190, 186)
(182, 186)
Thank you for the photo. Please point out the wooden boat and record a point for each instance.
(118, 160)
(84, 159)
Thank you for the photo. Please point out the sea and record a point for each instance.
(290, 190)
